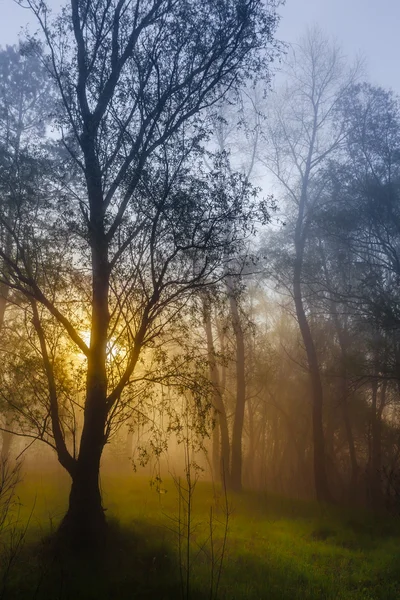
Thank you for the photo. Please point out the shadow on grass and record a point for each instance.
(136, 562)
(301, 557)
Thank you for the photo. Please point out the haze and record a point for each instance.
(199, 300)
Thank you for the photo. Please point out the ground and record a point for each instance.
(277, 549)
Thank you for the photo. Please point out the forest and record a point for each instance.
(199, 308)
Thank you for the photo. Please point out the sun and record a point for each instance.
(113, 348)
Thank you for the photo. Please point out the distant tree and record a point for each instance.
(360, 227)
(302, 133)
(25, 97)
(236, 134)
(221, 441)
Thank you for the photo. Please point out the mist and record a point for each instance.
(199, 305)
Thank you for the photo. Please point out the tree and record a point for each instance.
(25, 95)
(360, 226)
(245, 116)
(221, 443)
(301, 135)
(132, 80)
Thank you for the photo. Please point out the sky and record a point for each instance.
(367, 28)
(362, 27)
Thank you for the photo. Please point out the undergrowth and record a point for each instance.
(277, 548)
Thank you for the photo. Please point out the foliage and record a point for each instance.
(129, 226)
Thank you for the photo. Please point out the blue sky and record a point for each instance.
(365, 27)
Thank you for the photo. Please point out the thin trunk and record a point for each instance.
(320, 476)
(319, 460)
(216, 447)
(237, 432)
(330, 438)
(221, 455)
(276, 446)
(351, 445)
(7, 436)
(252, 445)
(300, 237)
(378, 404)
(262, 475)
(343, 343)
(4, 293)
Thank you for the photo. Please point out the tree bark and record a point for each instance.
(84, 523)
(85, 519)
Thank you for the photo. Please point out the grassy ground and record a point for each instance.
(276, 548)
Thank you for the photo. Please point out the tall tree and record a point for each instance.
(360, 225)
(134, 80)
(301, 135)
(244, 116)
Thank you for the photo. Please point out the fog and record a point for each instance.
(199, 300)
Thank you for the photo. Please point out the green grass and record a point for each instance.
(277, 549)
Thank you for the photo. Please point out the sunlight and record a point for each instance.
(220, 206)
(86, 335)
(113, 349)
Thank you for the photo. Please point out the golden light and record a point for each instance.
(113, 348)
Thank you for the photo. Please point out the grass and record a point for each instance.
(277, 549)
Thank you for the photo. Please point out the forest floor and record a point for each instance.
(276, 549)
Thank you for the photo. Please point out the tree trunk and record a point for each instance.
(252, 446)
(237, 432)
(376, 445)
(216, 447)
(221, 455)
(344, 390)
(4, 293)
(319, 461)
(351, 446)
(342, 333)
(262, 474)
(85, 521)
(330, 453)
(6, 435)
